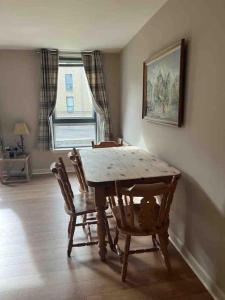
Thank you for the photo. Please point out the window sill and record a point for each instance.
(69, 149)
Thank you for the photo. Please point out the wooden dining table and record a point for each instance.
(104, 166)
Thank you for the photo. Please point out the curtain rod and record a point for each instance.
(67, 52)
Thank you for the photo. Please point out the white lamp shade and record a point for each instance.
(21, 129)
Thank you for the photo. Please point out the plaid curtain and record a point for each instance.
(49, 77)
(94, 72)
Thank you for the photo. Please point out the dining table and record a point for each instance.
(104, 166)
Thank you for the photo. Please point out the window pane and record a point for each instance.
(74, 135)
(70, 104)
(83, 107)
(69, 101)
(70, 109)
(69, 82)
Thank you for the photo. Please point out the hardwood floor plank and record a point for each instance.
(34, 265)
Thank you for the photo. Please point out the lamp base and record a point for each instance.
(22, 143)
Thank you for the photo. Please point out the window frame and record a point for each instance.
(72, 62)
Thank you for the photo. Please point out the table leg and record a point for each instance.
(27, 168)
(1, 173)
(100, 201)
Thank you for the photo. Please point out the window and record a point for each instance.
(69, 82)
(74, 119)
(70, 104)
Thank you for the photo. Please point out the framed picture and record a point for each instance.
(163, 86)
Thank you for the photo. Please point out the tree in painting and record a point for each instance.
(175, 91)
(161, 91)
(163, 87)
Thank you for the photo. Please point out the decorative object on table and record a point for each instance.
(15, 169)
(12, 152)
(21, 129)
(163, 86)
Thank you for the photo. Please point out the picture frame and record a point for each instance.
(163, 86)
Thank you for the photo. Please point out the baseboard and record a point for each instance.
(48, 171)
(199, 271)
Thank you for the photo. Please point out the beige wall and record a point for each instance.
(198, 148)
(111, 63)
(19, 98)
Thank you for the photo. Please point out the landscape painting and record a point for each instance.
(163, 86)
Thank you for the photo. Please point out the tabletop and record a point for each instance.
(122, 163)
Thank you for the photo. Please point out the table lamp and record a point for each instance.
(21, 129)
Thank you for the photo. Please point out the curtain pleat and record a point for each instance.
(94, 72)
(48, 94)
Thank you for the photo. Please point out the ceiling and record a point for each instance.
(73, 24)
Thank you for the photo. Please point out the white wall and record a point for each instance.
(19, 98)
(198, 148)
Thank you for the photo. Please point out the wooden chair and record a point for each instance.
(107, 144)
(75, 206)
(66, 176)
(147, 217)
(75, 159)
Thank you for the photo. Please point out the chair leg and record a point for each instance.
(84, 220)
(163, 240)
(72, 229)
(154, 240)
(125, 257)
(69, 227)
(116, 237)
(108, 233)
(116, 246)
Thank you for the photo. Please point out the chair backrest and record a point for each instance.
(66, 175)
(75, 159)
(108, 144)
(152, 215)
(63, 181)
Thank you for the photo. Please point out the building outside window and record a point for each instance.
(70, 104)
(69, 82)
(74, 119)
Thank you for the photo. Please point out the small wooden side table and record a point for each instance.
(8, 173)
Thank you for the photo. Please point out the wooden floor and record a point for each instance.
(34, 265)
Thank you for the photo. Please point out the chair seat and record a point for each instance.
(84, 203)
(140, 215)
